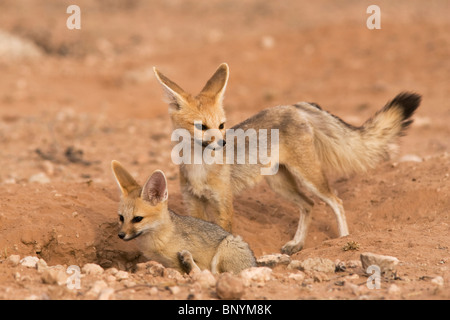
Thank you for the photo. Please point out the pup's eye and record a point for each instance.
(137, 219)
(200, 126)
(222, 125)
(121, 218)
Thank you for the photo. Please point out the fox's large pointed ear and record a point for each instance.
(124, 179)
(155, 189)
(176, 96)
(215, 87)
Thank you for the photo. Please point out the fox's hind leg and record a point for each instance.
(308, 171)
(187, 261)
(284, 184)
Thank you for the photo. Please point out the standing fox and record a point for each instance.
(180, 242)
(311, 143)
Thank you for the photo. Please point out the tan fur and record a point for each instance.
(181, 242)
(312, 142)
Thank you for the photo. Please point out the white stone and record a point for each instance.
(272, 260)
(394, 290)
(175, 289)
(439, 281)
(92, 269)
(229, 286)
(97, 287)
(14, 259)
(267, 42)
(298, 277)
(41, 265)
(13, 48)
(40, 177)
(106, 294)
(410, 158)
(256, 275)
(29, 261)
(317, 264)
(121, 275)
(205, 278)
(385, 263)
(54, 276)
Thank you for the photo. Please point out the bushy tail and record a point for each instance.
(345, 149)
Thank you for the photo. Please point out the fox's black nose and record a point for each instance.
(121, 235)
(222, 143)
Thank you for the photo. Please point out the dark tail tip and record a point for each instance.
(408, 102)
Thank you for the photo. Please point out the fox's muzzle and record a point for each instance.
(220, 144)
(122, 235)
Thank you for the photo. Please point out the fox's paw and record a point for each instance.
(187, 261)
(291, 247)
(185, 258)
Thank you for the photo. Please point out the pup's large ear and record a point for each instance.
(176, 96)
(215, 87)
(124, 179)
(155, 189)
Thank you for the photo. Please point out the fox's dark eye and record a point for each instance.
(222, 125)
(200, 126)
(137, 219)
(120, 218)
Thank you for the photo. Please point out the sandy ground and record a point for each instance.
(73, 100)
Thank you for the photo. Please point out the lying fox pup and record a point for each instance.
(180, 242)
(312, 143)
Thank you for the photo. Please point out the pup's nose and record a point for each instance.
(121, 235)
(222, 143)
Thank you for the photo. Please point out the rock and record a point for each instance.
(154, 268)
(16, 48)
(438, 281)
(339, 266)
(410, 158)
(422, 121)
(54, 276)
(319, 276)
(294, 265)
(267, 42)
(154, 291)
(41, 265)
(229, 287)
(353, 264)
(111, 271)
(40, 177)
(385, 263)
(14, 259)
(352, 277)
(353, 288)
(196, 292)
(29, 262)
(272, 260)
(96, 288)
(256, 275)
(92, 269)
(205, 278)
(174, 289)
(317, 264)
(394, 290)
(128, 283)
(298, 276)
(173, 274)
(106, 294)
(110, 278)
(121, 275)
